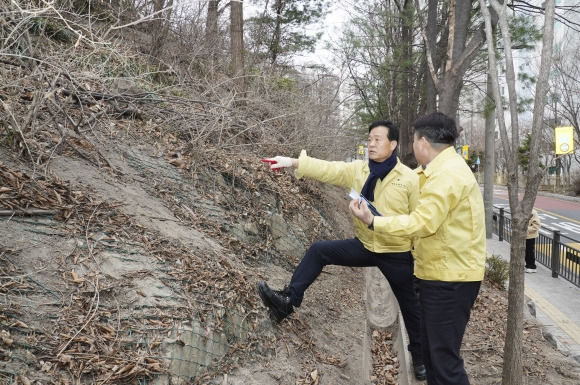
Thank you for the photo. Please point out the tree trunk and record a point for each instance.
(211, 28)
(275, 42)
(489, 165)
(431, 30)
(408, 107)
(160, 26)
(260, 38)
(520, 210)
(512, 366)
(237, 47)
(460, 53)
(515, 324)
(448, 94)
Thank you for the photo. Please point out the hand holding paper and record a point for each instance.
(361, 211)
(354, 195)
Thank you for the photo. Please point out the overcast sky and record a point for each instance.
(332, 25)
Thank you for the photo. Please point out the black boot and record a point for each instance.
(418, 367)
(277, 302)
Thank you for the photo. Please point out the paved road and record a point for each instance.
(555, 214)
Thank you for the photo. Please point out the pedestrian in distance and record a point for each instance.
(450, 246)
(393, 189)
(533, 232)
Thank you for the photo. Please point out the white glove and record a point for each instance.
(278, 162)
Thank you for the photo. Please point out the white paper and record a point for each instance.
(353, 194)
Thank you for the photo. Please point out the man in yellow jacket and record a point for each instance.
(450, 249)
(393, 189)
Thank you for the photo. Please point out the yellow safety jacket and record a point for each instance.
(396, 194)
(448, 223)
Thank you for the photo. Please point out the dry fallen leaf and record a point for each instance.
(20, 324)
(5, 337)
(314, 375)
(76, 277)
(64, 358)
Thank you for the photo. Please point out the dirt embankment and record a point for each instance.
(139, 267)
(148, 271)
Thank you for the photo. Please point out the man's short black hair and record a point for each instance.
(393, 129)
(436, 128)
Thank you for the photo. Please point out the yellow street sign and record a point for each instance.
(465, 151)
(564, 139)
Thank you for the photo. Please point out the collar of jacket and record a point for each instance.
(438, 161)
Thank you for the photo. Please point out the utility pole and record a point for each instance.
(558, 159)
(489, 165)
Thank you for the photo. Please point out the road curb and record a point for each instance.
(383, 313)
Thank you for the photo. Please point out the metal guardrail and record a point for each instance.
(551, 251)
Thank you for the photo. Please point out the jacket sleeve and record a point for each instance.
(431, 211)
(336, 173)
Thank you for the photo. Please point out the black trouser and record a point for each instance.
(530, 253)
(445, 310)
(396, 267)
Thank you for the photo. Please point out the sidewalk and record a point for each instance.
(555, 302)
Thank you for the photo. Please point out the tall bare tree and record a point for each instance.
(211, 27)
(406, 87)
(378, 51)
(450, 57)
(160, 25)
(489, 165)
(410, 100)
(237, 44)
(520, 210)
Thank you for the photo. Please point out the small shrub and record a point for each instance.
(497, 271)
(283, 84)
(9, 137)
(53, 29)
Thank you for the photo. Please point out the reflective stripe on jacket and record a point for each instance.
(449, 222)
(396, 194)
